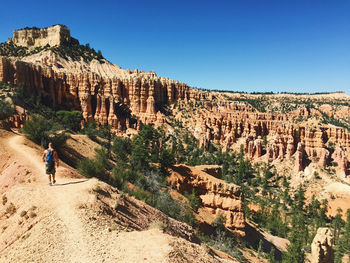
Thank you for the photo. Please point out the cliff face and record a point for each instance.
(234, 123)
(106, 100)
(217, 196)
(40, 37)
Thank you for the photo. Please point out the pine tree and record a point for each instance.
(343, 246)
(271, 258)
(260, 249)
(295, 252)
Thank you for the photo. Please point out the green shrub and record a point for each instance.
(142, 194)
(42, 131)
(121, 174)
(98, 167)
(166, 159)
(121, 148)
(70, 119)
(165, 203)
(90, 129)
(189, 217)
(193, 200)
(6, 109)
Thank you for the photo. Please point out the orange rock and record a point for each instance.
(217, 196)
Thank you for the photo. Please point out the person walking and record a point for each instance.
(50, 158)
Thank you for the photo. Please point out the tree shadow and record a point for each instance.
(253, 237)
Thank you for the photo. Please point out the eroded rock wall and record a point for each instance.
(229, 123)
(40, 37)
(107, 100)
(217, 196)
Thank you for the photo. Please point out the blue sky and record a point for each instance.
(246, 45)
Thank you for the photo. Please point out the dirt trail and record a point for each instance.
(61, 198)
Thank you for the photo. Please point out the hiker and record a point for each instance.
(50, 157)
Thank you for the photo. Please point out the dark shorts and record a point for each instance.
(50, 168)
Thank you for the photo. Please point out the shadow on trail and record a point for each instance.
(76, 182)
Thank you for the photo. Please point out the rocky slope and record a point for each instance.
(102, 91)
(80, 220)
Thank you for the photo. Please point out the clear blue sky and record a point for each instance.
(262, 45)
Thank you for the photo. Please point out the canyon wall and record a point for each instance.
(232, 123)
(106, 100)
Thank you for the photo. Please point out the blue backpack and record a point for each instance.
(49, 156)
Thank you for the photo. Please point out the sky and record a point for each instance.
(237, 45)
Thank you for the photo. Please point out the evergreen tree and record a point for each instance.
(6, 109)
(295, 252)
(271, 258)
(343, 246)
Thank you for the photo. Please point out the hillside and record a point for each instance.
(75, 220)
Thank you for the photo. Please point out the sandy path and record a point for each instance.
(60, 198)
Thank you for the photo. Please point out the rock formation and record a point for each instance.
(231, 123)
(217, 196)
(321, 247)
(40, 37)
(105, 100)
(341, 160)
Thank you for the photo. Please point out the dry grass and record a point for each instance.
(32, 214)
(23, 213)
(11, 209)
(158, 225)
(4, 200)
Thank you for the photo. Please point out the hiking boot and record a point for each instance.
(54, 181)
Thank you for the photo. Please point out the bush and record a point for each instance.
(121, 148)
(6, 109)
(165, 203)
(166, 159)
(121, 174)
(189, 218)
(70, 119)
(42, 131)
(96, 168)
(90, 130)
(142, 194)
(193, 200)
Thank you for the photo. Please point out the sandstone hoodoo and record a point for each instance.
(321, 247)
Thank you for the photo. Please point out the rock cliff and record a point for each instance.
(40, 37)
(217, 196)
(107, 100)
(234, 123)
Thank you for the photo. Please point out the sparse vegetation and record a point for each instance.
(11, 209)
(6, 109)
(42, 131)
(23, 213)
(72, 50)
(4, 200)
